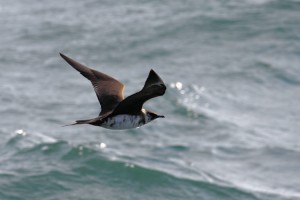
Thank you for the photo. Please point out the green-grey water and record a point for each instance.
(232, 104)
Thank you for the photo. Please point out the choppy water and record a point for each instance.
(232, 106)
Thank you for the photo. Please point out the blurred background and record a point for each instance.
(232, 105)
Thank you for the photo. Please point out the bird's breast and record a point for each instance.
(123, 122)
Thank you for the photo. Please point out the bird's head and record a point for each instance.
(150, 116)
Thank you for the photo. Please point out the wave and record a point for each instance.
(238, 139)
(92, 168)
(198, 103)
(66, 166)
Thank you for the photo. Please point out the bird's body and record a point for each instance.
(118, 113)
(120, 122)
(125, 121)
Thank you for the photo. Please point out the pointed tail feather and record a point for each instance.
(86, 121)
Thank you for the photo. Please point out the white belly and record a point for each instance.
(123, 122)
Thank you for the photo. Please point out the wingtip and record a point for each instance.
(153, 78)
(69, 60)
(62, 55)
(152, 71)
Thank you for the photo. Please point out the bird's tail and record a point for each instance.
(85, 121)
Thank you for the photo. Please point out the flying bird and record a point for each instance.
(117, 112)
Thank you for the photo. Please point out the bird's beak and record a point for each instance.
(161, 116)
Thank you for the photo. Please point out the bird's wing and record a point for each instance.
(154, 87)
(108, 90)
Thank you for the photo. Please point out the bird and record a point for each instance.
(117, 112)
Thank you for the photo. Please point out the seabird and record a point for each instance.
(118, 113)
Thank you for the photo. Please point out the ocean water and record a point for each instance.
(231, 130)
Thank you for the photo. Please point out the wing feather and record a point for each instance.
(109, 91)
(153, 87)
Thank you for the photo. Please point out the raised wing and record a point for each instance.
(108, 90)
(133, 104)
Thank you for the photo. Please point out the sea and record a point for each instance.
(232, 104)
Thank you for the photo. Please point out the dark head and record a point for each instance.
(150, 116)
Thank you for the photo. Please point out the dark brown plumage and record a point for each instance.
(108, 90)
(110, 94)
